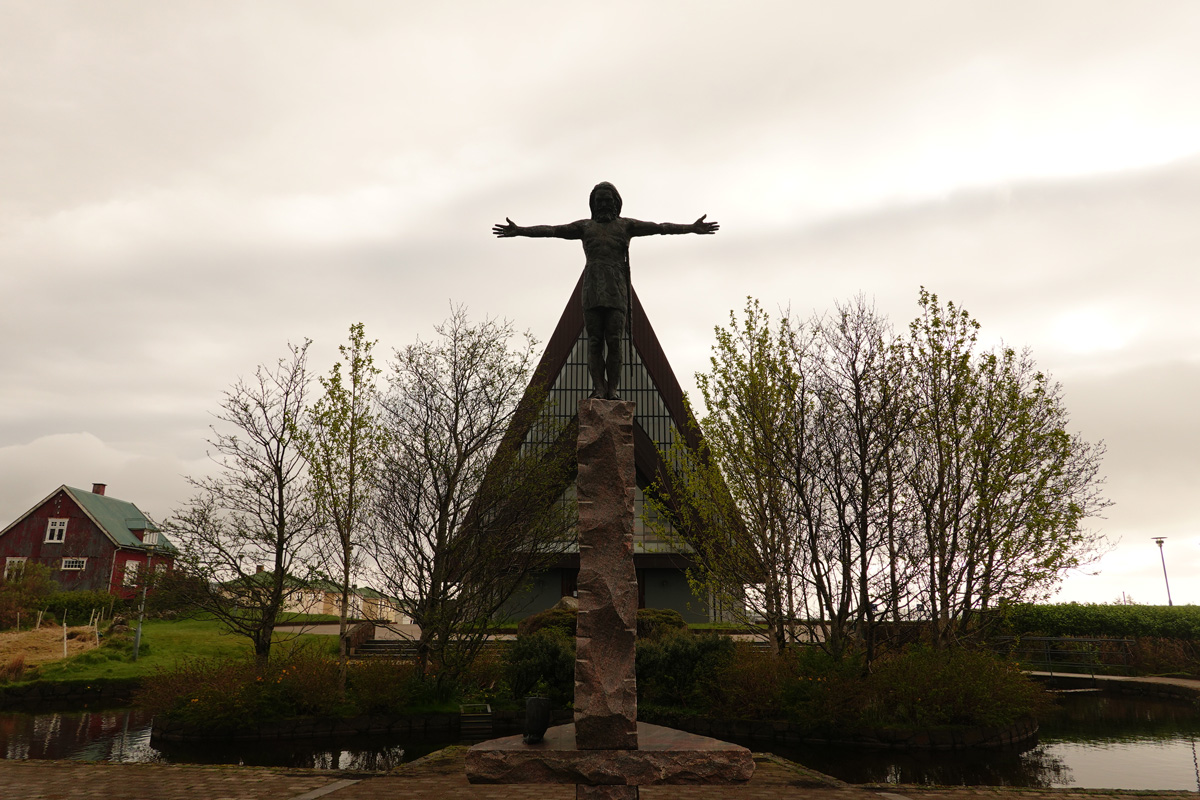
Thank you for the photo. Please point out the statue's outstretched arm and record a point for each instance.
(702, 226)
(572, 230)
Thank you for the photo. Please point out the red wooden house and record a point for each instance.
(88, 541)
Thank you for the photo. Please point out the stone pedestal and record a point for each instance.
(607, 753)
(664, 755)
(605, 684)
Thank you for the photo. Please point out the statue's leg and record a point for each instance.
(593, 321)
(614, 326)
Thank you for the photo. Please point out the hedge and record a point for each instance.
(1094, 619)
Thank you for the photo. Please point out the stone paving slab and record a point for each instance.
(442, 777)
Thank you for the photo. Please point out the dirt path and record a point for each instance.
(44, 644)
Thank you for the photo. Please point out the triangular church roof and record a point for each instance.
(661, 414)
(647, 379)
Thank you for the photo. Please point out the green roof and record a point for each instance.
(265, 578)
(119, 519)
(320, 585)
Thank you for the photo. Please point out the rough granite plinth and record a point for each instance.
(664, 756)
(605, 683)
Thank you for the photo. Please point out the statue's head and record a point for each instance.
(605, 202)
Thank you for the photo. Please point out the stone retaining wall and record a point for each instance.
(58, 695)
(1157, 687)
(436, 725)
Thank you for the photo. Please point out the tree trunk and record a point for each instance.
(343, 648)
(262, 646)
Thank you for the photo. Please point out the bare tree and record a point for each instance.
(863, 414)
(469, 487)
(242, 536)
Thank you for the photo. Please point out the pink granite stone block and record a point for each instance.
(607, 753)
(663, 756)
(605, 684)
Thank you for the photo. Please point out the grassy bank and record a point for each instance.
(165, 646)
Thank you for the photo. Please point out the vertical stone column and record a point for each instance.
(605, 683)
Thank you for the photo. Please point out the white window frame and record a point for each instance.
(77, 564)
(56, 531)
(133, 570)
(14, 567)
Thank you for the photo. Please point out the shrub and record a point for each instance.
(379, 686)
(1167, 638)
(749, 684)
(14, 670)
(1097, 619)
(925, 687)
(79, 606)
(23, 596)
(236, 692)
(563, 618)
(653, 623)
(213, 693)
(1157, 656)
(543, 661)
(822, 691)
(682, 669)
(919, 688)
(486, 680)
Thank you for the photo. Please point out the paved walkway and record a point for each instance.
(1184, 683)
(390, 631)
(440, 777)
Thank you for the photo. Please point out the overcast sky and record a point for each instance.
(186, 187)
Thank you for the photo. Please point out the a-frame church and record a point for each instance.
(660, 420)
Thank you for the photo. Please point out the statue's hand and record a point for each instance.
(700, 226)
(505, 231)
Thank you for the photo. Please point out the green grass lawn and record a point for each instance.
(164, 644)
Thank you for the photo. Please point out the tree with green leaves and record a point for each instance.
(342, 440)
(1002, 487)
(846, 476)
(243, 536)
(734, 500)
(469, 486)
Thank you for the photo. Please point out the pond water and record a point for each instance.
(1098, 741)
(1094, 741)
(123, 735)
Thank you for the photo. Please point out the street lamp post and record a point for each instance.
(1159, 540)
(150, 540)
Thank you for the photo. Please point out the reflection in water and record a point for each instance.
(1195, 764)
(120, 735)
(1093, 741)
(365, 753)
(1096, 716)
(123, 735)
(1007, 767)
